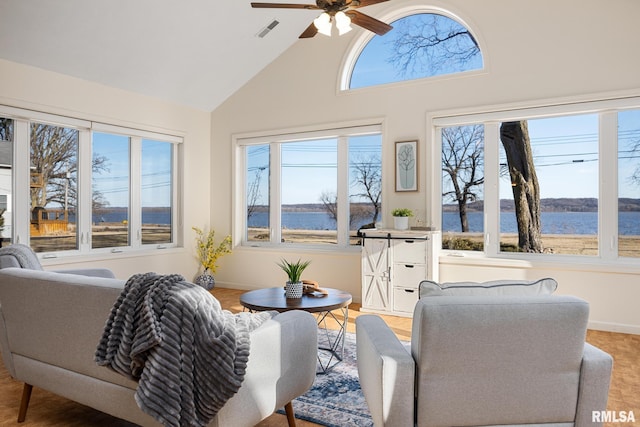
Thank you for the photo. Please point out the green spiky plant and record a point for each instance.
(293, 269)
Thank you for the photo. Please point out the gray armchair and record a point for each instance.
(485, 360)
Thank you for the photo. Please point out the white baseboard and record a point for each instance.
(614, 327)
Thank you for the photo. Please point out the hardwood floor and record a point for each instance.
(47, 409)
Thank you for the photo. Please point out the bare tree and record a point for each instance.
(367, 177)
(524, 183)
(330, 203)
(462, 162)
(634, 152)
(54, 157)
(6, 129)
(253, 191)
(432, 44)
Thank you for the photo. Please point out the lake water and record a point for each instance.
(585, 223)
(552, 222)
(148, 217)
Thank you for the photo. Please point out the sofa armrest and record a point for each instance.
(282, 366)
(386, 371)
(595, 378)
(91, 272)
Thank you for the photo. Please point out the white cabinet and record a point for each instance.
(393, 265)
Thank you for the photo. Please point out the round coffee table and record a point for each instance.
(320, 305)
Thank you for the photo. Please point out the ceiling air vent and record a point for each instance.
(268, 28)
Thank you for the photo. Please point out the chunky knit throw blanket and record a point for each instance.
(188, 355)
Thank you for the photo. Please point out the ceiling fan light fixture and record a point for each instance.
(323, 24)
(343, 23)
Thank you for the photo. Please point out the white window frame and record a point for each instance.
(21, 181)
(275, 141)
(491, 118)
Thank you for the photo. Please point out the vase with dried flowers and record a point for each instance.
(208, 254)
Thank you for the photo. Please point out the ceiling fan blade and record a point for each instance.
(369, 23)
(362, 3)
(309, 32)
(284, 6)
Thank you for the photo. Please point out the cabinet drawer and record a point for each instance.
(408, 275)
(404, 300)
(410, 251)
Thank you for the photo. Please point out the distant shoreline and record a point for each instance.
(580, 204)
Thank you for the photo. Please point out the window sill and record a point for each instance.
(299, 248)
(61, 259)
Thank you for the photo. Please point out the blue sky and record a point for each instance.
(565, 151)
(309, 168)
(114, 182)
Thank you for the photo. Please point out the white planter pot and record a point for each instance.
(401, 222)
(293, 290)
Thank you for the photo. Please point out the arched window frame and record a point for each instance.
(359, 43)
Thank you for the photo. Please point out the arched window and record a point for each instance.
(420, 45)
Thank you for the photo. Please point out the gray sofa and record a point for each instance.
(485, 360)
(51, 323)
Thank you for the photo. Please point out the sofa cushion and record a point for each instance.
(18, 255)
(546, 286)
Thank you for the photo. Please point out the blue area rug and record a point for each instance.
(335, 399)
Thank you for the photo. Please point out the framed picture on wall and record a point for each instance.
(407, 166)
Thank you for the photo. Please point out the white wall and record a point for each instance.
(32, 88)
(535, 50)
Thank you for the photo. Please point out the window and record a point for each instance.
(365, 181)
(114, 196)
(463, 187)
(111, 191)
(54, 187)
(309, 191)
(564, 176)
(6, 179)
(91, 186)
(157, 191)
(419, 46)
(257, 193)
(629, 183)
(540, 180)
(314, 188)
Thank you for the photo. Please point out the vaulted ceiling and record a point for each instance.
(193, 52)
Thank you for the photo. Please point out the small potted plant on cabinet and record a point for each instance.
(401, 218)
(293, 288)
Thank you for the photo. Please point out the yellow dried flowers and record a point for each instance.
(208, 252)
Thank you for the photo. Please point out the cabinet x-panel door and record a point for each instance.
(375, 272)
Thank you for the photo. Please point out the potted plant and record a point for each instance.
(401, 218)
(293, 288)
(208, 254)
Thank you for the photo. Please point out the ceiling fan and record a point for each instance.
(343, 12)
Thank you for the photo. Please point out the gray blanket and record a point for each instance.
(188, 355)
